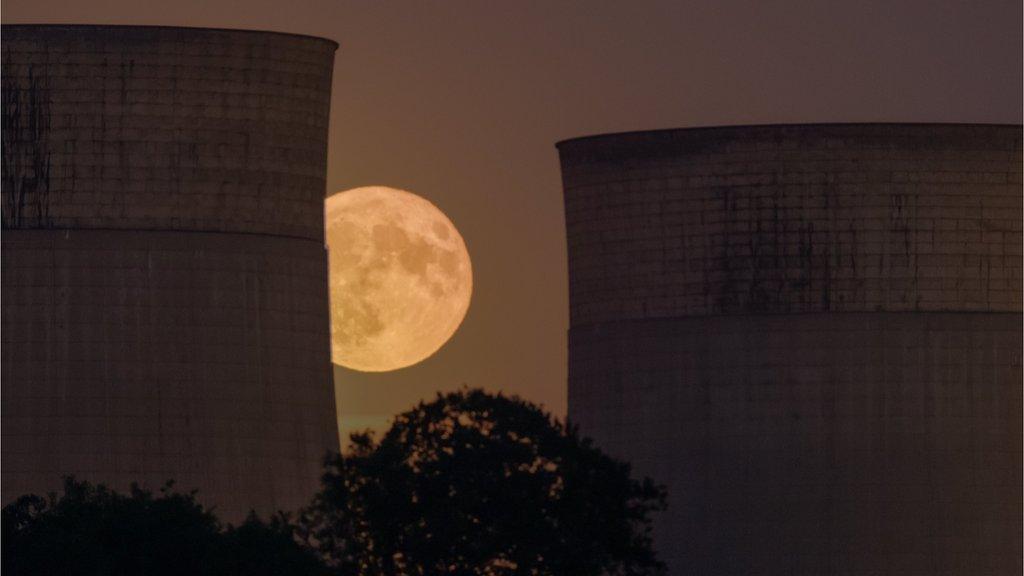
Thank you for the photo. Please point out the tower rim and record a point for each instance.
(725, 128)
(160, 27)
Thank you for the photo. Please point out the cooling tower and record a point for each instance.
(812, 335)
(164, 270)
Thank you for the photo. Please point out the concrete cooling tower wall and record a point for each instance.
(812, 335)
(164, 271)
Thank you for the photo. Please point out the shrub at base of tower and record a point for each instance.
(478, 484)
(92, 530)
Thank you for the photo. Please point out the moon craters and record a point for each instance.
(400, 278)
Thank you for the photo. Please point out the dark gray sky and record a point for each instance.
(462, 101)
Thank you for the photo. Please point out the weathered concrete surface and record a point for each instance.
(172, 128)
(835, 218)
(164, 273)
(812, 335)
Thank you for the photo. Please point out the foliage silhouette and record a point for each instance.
(470, 484)
(478, 484)
(92, 530)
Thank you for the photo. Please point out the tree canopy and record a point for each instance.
(92, 530)
(480, 484)
(469, 484)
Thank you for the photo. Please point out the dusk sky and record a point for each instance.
(461, 102)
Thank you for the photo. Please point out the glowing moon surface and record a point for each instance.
(400, 278)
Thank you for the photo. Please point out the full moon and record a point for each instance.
(400, 278)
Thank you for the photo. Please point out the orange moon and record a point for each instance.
(400, 278)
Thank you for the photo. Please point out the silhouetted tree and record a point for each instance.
(477, 484)
(92, 530)
(257, 547)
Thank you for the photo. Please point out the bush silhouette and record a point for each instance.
(92, 530)
(469, 484)
(480, 484)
